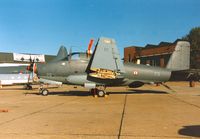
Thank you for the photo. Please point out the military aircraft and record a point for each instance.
(105, 68)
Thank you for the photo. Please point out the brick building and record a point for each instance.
(155, 55)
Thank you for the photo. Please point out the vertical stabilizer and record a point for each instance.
(180, 58)
(62, 54)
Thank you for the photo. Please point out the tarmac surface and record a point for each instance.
(149, 112)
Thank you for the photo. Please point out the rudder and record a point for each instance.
(62, 54)
(180, 58)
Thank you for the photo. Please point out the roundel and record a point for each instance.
(135, 72)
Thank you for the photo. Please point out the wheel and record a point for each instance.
(192, 83)
(44, 92)
(101, 93)
(29, 87)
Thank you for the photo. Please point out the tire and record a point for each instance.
(45, 92)
(101, 93)
(192, 83)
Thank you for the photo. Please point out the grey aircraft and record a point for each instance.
(105, 68)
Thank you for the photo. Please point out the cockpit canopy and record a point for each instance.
(79, 56)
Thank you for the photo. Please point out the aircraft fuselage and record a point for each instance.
(73, 72)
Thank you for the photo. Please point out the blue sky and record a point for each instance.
(41, 26)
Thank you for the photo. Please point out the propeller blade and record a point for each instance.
(89, 51)
(34, 68)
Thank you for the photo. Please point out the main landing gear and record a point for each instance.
(98, 93)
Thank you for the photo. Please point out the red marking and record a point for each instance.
(28, 68)
(89, 47)
(3, 110)
(34, 68)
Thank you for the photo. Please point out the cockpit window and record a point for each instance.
(79, 56)
(75, 56)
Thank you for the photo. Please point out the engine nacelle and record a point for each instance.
(136, 84)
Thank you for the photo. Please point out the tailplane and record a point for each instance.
(180, 58)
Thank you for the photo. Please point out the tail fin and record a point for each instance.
(180, 58)
(62, 54)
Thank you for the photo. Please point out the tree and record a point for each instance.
(194, 38)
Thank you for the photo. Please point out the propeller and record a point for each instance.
(33, 70)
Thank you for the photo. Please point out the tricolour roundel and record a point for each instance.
(135, 72)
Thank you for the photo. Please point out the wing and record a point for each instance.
(105, 62)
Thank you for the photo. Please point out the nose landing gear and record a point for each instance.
(44, 92)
